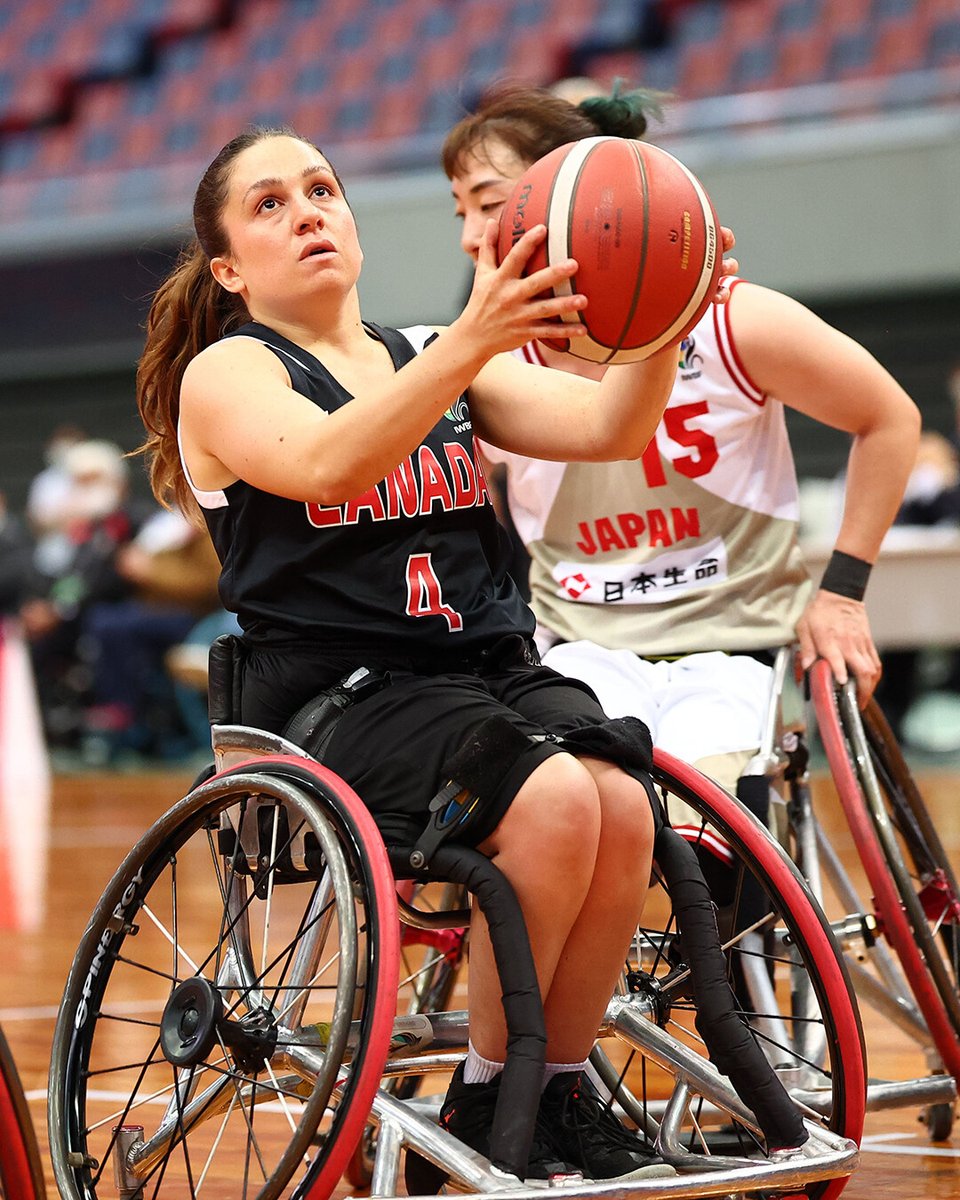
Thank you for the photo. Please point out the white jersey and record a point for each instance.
(693, 546)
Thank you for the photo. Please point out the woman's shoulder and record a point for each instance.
(239, 352)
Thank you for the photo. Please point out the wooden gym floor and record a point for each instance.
(94, 819)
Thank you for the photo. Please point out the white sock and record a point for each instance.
(551, 1069)
(477, 1069)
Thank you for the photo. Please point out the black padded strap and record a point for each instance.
(729, 1040)
(519, 1096)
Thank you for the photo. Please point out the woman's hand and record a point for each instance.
(728, 268)
(506, 308)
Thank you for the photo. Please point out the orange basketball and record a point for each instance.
(643, 231)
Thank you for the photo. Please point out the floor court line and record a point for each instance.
(869, 1146)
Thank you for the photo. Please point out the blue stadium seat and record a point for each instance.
(893, 8)
(439, 22)
(701, 24)
(755, 66)
(852, 53)
(943, 43)
(354, 117)
(796, 16)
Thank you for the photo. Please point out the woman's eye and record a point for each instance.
(492, 207)
(268, 204)
(322, 189)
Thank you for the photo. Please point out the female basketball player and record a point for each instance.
(666, 581)
(333, 462)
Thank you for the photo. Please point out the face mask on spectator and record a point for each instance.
(94, 500)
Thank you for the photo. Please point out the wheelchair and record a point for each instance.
(21, 1171)
(236, 1022)
(902, 943)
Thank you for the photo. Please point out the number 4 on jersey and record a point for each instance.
(424, 594)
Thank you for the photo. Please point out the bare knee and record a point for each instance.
(553, 819)
(627, 824)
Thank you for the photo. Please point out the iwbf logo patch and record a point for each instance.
(459, 414)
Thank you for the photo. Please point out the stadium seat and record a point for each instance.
(847, 15)
(700, 24)
(900, 45)
(704, 70)
(851, 54)
(385, 69)
(797, 16)
(754, 66)
(943, 43)
(803, 57)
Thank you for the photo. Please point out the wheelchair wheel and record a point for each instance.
(21, 1172)
(914, 888)
(786, 972)
(229, 1010)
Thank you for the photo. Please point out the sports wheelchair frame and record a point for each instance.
(902, 944)
(236, 1011)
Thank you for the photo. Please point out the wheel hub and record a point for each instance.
(188, 1027)
(193, 1023)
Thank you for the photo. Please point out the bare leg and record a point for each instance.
(593, 955)
(546, 845)
(576, 844)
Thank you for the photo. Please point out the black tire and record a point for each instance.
(179, 994)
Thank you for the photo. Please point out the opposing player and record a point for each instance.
(333, 462)
(667, 581)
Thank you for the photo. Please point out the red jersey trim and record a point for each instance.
(731, 358)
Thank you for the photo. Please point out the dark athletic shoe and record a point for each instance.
(588, 1134)
(467, 1113)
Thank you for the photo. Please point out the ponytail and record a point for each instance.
(623, 114)
(534, 121)
(189, 312)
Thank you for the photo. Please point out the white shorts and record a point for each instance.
(706, 709)
(695, 707)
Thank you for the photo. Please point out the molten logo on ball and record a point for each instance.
(643, 232)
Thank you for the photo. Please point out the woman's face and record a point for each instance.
(483, 181)
(291, 233)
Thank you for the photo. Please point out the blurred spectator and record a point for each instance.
(172, 570)
(933, 489)
(48, 499)
(97, 519)
(16, 553)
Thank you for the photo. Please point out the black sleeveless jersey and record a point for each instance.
(415, 566)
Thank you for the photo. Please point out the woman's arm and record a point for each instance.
(546, 413)
(241, 419)
(794, 356)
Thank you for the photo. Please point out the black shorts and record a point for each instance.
(392, 747)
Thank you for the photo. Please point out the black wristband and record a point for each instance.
(846, 575)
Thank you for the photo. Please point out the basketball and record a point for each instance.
(643, 231)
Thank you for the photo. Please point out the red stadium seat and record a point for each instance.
(803, 57)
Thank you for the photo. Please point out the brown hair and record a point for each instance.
(534, 121)
(189, 312)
